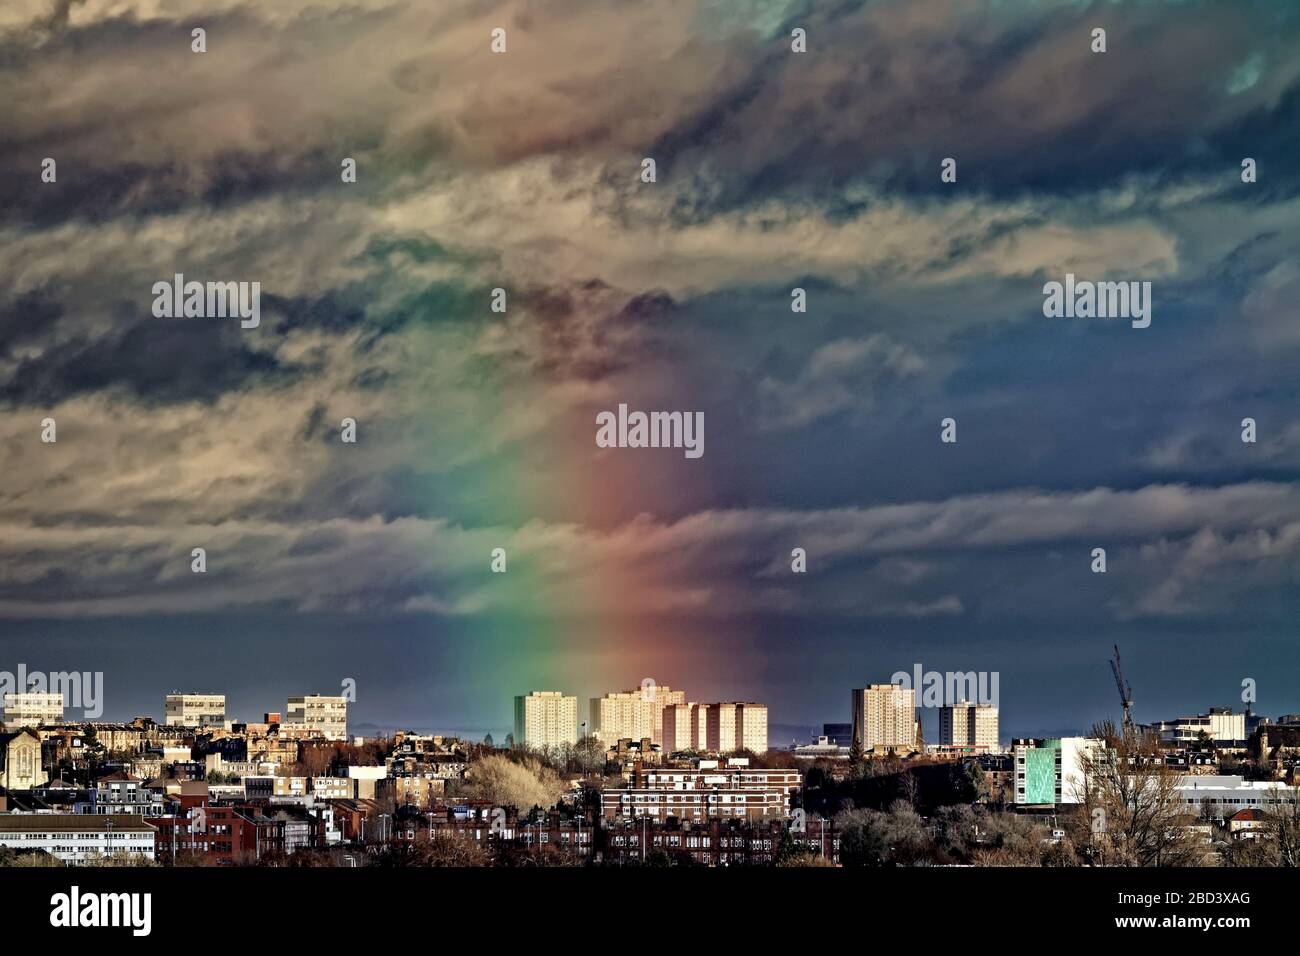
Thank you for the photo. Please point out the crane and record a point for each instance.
(1125, 692)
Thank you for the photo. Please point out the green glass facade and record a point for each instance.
(1040, 772)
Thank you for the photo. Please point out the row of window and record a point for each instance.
(76, 836)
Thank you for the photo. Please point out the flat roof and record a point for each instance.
(85, 822)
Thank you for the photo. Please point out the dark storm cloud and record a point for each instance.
(777, 170)
(1013, 92)
(155, 361)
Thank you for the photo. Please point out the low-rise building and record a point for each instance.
(711, 789)
(1247, 824)
(76, 838)
(1220, 796)
(823, 748)
(120, 793)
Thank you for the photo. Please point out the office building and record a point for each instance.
(1050, 771)
(1220, 725)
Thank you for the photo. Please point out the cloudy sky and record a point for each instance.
(476, 430)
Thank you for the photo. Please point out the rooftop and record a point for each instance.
(84, 822)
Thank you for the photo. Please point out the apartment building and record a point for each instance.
(661, 698)
(194, 710)
(681, 728)
(969, 725)
(634, 714)
(626, 714)
(332, 788)
(884, 715)
(120, 793)
(735, 725)
(716, 842)
(75, 838)
(229, 835)
(315, 712)
(276, 788)
(545, 719)
(69, 739)
(413, 790)
(32, 709)
(721, 728)
(711, 789)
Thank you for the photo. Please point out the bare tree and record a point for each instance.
(1134, 809)
(1282, 827)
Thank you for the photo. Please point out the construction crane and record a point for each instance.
(1125, 692)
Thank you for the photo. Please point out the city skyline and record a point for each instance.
(845, 269)
(928, 716)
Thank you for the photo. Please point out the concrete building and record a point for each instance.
(628, 714)
(735, 725)
(680, 723)
(1049, 771)
(969, 725)
(32, 709)
(661, 698)
(327, 716)
(545, 719)
(634, 714)
(720, 728)
(1220, 725)
(884, 715)
(194, 710)
(75, 838)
